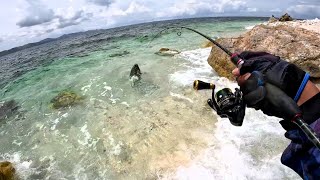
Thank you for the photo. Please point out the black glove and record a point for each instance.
(287, 76)
(268, 98)
(233, 109)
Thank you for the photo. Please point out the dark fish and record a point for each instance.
(8, 108)
(135, 74)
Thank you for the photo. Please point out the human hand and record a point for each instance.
(261, 95)
(280, 73)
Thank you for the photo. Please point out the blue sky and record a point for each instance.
(25, 21)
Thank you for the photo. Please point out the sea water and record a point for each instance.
(160, 129)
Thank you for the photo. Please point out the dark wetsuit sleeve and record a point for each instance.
(301, 155)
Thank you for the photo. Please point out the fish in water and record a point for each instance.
(8, 109)
(135, 74)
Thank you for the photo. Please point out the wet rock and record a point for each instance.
(66, 99)
(207, 44)
(293, 44)
(119, 54)
(7, 171)
(285, 17)
(167, 52)
(220, 61)
(8, 108)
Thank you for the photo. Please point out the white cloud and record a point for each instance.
(71, 18)
(305, 11)
(33, 20)
(206, 7)
(252, 9)
(276, 10)
(101, 2)
(135, 7)
(36, 13)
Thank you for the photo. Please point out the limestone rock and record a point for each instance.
(66, 99)
(7, 171)
(167, 52)
(220, 61)
(285, 17)
(295, 45)
(273, 19)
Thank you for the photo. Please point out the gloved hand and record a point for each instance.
(268, 98)
(287, 76)
(233, 107)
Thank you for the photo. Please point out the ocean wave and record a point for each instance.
(249, 27)
(235, 152)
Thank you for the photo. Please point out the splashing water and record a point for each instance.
(159, 129)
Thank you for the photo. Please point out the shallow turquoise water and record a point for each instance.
(118, 132)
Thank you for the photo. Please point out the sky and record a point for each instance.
(25, 21)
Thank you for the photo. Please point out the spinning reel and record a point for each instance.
(225, 102)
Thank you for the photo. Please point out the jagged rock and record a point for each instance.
(119, 54)
(8, 109)
(220, 61)
(7, 171)
(167, 52)
(285, 17)
(66, 99)
(273, 19)
(293, 44)
(207, 44)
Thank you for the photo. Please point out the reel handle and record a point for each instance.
(200, 85)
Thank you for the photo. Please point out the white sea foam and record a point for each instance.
(87, 139)
(196, 65)
(88, 86)
(249, 27)
(106, 89)
(249, 152)
(57, 120)
(22, 167)
(125, 103)
(180, 97)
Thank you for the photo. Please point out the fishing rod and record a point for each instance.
(226, 99)
(234, 56)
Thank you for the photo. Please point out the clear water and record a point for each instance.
(161, 129)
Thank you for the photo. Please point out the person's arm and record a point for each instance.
(301, 155)
(309, 91)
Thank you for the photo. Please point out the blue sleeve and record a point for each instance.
(301, 155)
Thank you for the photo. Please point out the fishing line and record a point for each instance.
(275, 95)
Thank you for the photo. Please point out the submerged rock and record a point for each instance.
(167, 52)
(7, 171)
(293, 44)
(119, 54)
(8, 108)
(66, 99)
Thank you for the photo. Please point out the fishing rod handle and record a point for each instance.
(312, 136)
(200, 85)
(236, 60)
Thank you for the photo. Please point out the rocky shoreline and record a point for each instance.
(294, 41)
